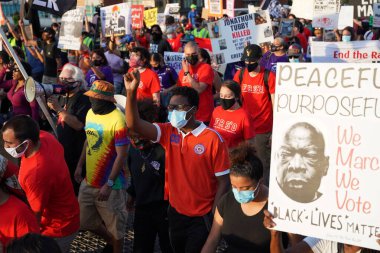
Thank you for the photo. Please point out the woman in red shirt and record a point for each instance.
(230, 119)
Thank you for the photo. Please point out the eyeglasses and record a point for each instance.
(177, 107)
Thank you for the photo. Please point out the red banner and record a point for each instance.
(204, 43)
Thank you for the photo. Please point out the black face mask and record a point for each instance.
(251, 67)
(192, 59)
(101, 107)
(274, 48)
(98, 62)
(156, 36)
(227, 103)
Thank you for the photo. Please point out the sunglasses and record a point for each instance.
(294, 57)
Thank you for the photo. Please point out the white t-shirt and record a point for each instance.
(322, 246)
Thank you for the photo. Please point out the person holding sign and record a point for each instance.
(239, 214)
(302, 163)
(257, 87)
(230, 119)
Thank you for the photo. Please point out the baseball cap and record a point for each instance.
(294, 50)
(252, 53)
(193, 6)
(102, 90)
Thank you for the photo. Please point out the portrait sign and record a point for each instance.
(71, 29)
(116, 19)
(325, 161)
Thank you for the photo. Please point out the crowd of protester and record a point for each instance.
(188, 152)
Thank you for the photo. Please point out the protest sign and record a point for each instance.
(286, 27)
(2, 16)
(216, 8)
(116, 19)
(57, 7)
(81, 3)
(230, 8)
(303, 9)
(376, 15)
(326, 13)
(71, 29)
(137, 16)
(325, 163)
(172, 9)
(149, 3)
(365, 51)
(228, 43)
(161, 20)
(205, 13)
(150, 17)
(362, 8)
(346, 17)
(28, 31)
(207, 4)
(252, 8)
(173, 60)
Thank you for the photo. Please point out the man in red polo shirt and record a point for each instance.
(196, 160)
(45, 178)
(200, 76)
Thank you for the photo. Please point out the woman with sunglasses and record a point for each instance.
(239, 214)
(295, 53)
(16, 94)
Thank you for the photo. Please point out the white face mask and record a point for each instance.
(13, 152)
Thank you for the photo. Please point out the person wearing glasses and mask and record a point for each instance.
(200, 76)
(196, 161)
(295, 53)
(239, 214)
(233, 123)
(16, 94)
(257, 89)
(276, 54)
(71, 116)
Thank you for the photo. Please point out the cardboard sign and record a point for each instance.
(286, 27)
(71, 29)
(346, 17)
(229, 36)
(174, 60)
(326, 13)
(28, 31)
(172, 9)
(356, 51)
(150, 17)
(325, 161)
(205, 13)
(149, 3)
(116, 19)
(216, 8)
(376, 15)
(137, 16)
(230, 8)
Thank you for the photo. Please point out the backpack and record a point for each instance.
(266, 79)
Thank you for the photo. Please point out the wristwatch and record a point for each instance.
(186, 73)
(110, 182)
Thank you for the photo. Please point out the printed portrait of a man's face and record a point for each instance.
(302, 163)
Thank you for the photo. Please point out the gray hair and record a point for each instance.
(77, 75)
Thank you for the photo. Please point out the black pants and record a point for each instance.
(151, 220)
(188, 234)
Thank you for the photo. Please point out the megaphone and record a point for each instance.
(33, 89)
(120, 102)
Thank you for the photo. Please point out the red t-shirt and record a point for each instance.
(46, 181)
(256, 99)
(149, 84)
(201, 73)
(16, 220)
(192, 162)
(307, 33)
(175, 43)
(234, 126)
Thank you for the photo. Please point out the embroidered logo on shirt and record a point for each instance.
(199, 149)
(174, 138)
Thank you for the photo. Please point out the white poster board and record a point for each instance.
(216, 8)
(117, 19)
(346, 16)
(366, 51)
(325, 160)
(326, 13)
(148, 3)
(230, 8)
(172, 9)
(234, 33)
(174, 60)
(376, 15)
(303, 8)
(71, 29)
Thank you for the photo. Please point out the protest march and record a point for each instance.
(190, 127)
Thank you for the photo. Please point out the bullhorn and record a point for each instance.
(33, 89)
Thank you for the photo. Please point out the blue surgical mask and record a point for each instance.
(294, 60)
(178, 118)
(346, 38)
(244, 196)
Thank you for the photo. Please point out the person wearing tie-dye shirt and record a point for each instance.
(102, 192)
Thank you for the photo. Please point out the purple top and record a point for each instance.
(167, 75)
(269, 61)
(19, 103)
(91, 77)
